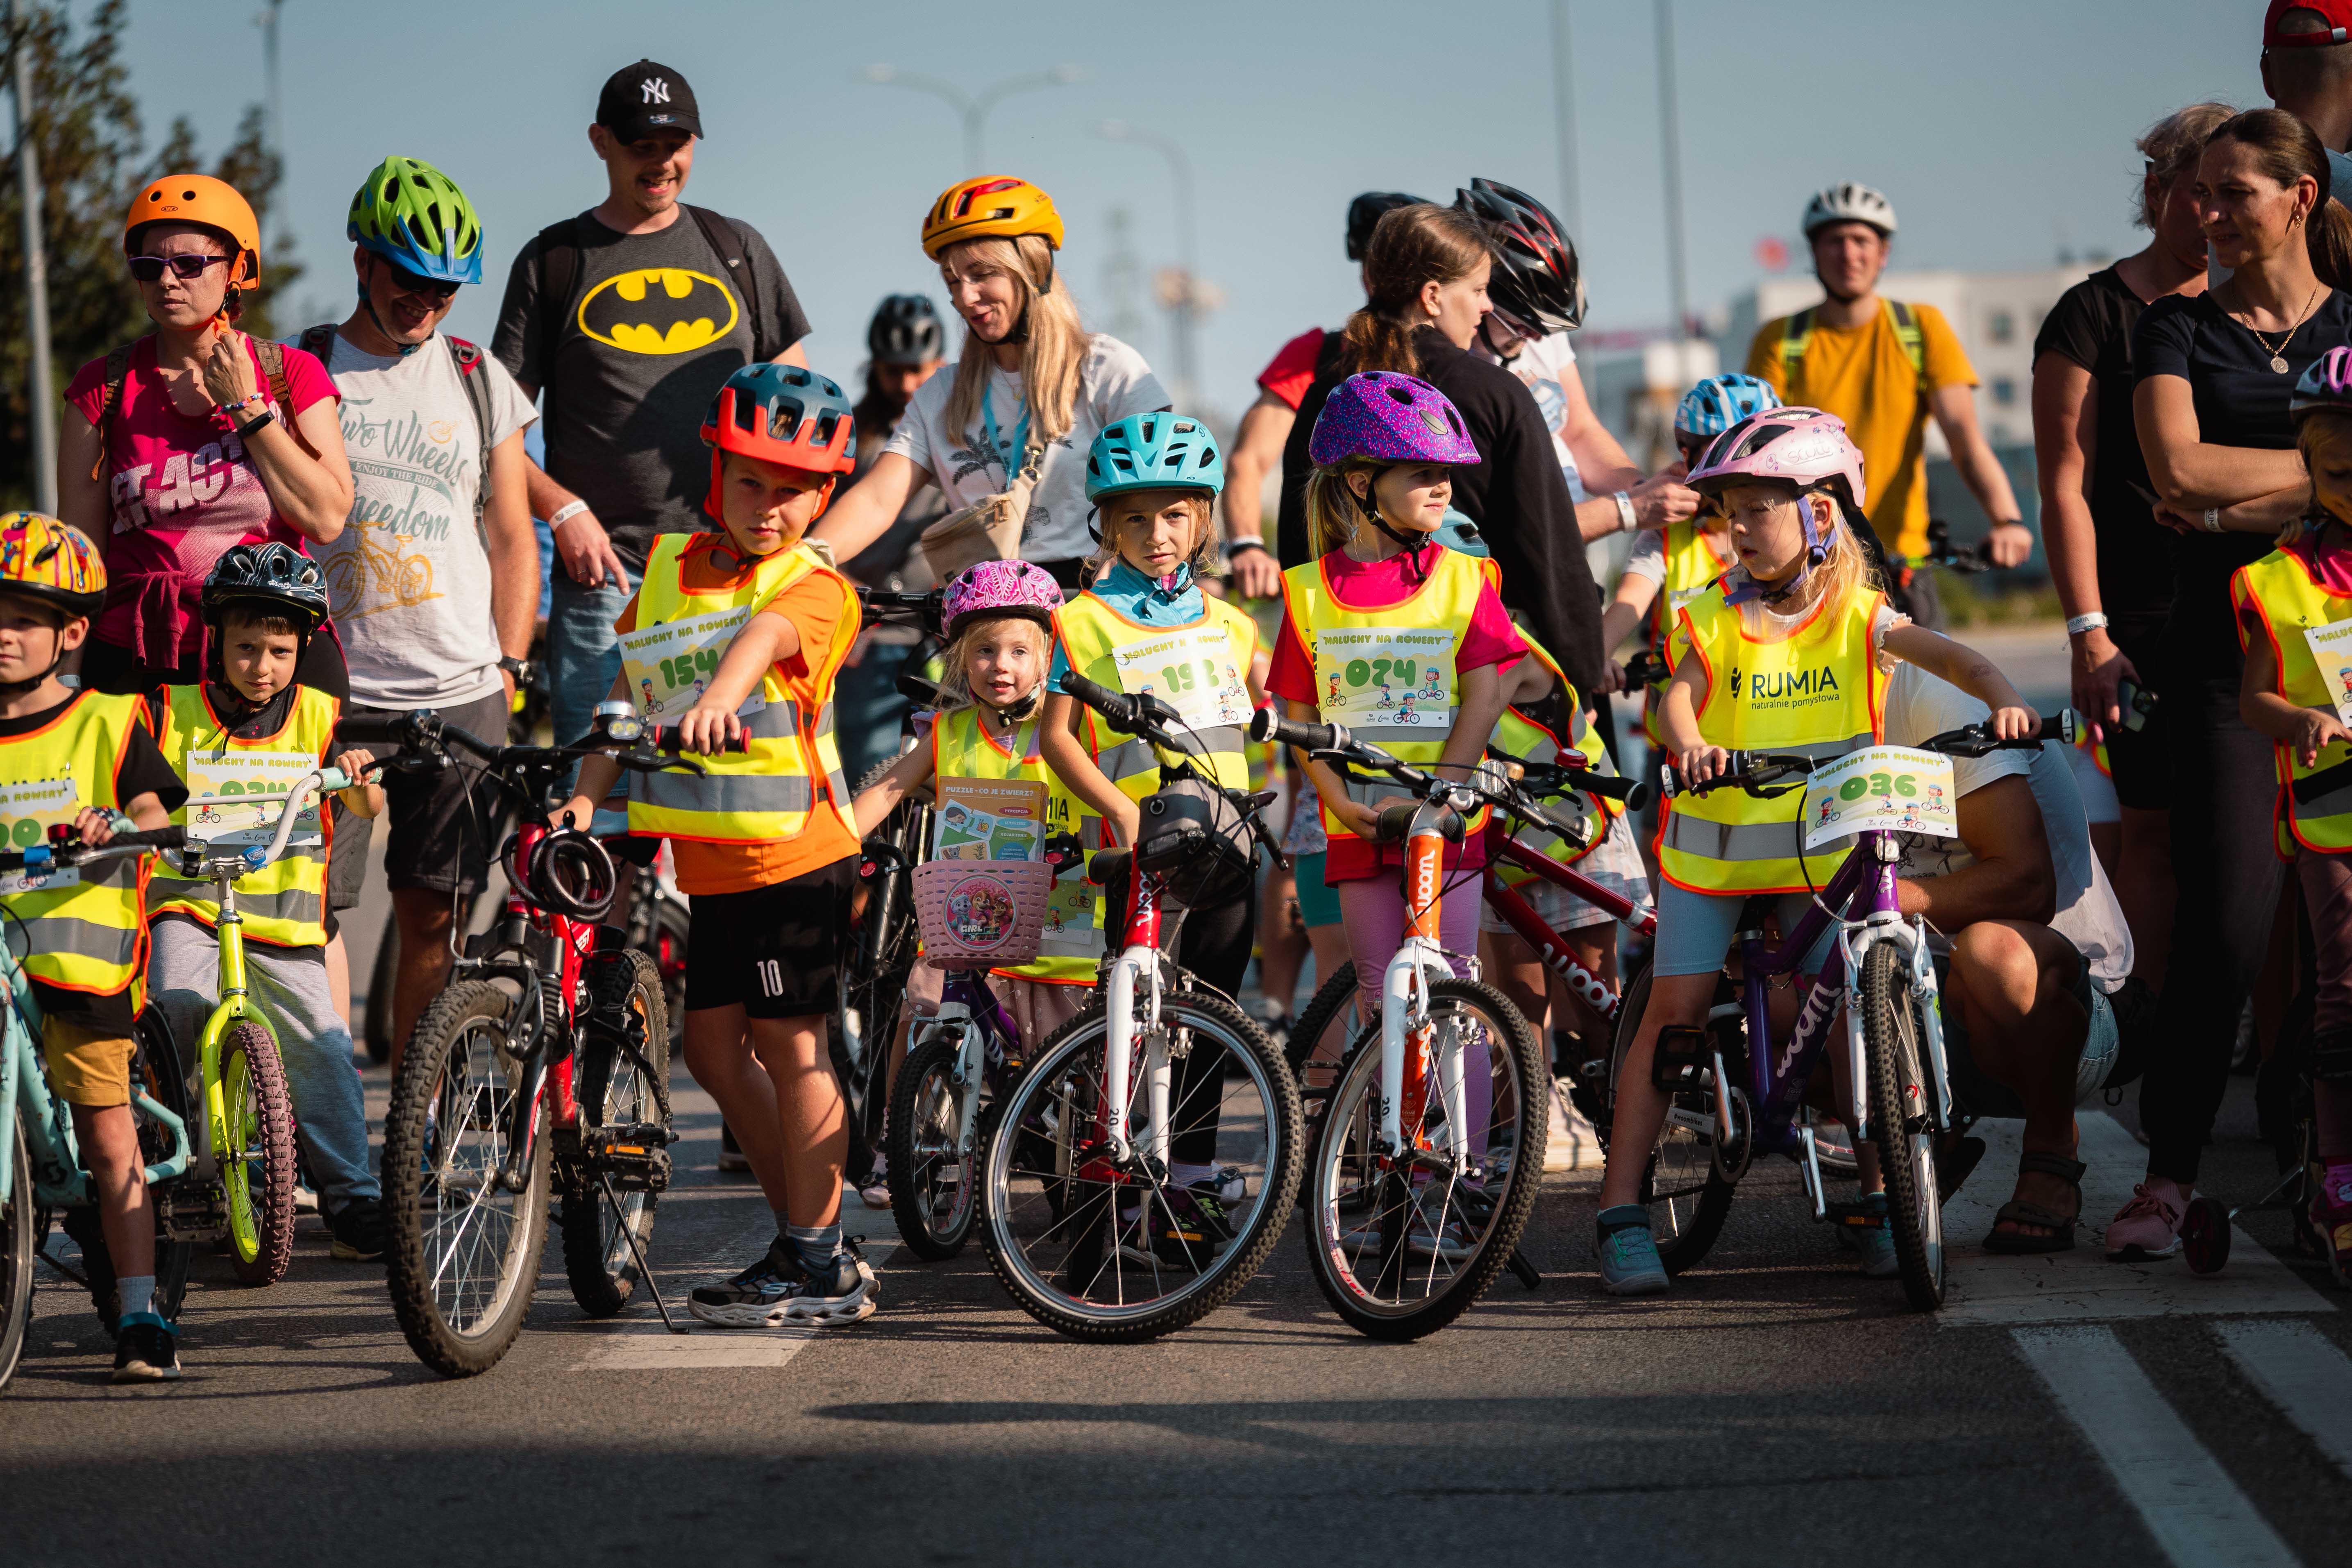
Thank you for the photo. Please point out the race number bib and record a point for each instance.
(669, 665)
(1385, 678)
(1890, 788)
(27, 812)
(1192, 670)
(259, 782)
(2331, 651)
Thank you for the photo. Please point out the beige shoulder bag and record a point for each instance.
(987, 530)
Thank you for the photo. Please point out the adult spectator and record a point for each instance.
(435, 580)
(2217, 372)
(191, 439)
(905, 344)
(1885, 368)
(2307, 71)
(2112, 564)
(1428, 268)
(629, 317)
(1028, 396)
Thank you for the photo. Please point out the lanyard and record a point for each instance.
(1005, 459)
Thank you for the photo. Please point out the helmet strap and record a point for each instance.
(368, 303)
(1411, 545)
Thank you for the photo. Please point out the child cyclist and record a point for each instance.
(766, 849)
(252, 719)
(81, 758)
(1144, 624)
(1799, 602)
(2295, 610)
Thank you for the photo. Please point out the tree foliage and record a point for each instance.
(92, 146)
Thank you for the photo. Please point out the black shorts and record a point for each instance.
(442, 824)
(775, 951)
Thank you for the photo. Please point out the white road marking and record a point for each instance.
(2197, 1514)
(2302, 1372)
(2082, 1286)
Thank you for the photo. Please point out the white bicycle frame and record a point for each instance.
(1132, 998)
(1404, 998)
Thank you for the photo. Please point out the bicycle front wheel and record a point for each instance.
(1098, 1250)
(16, 1244)
(618, 1088)
(464, 1258)
(932, 1175)
(1900, 1124)
(1403, 1245)
(256, 1165)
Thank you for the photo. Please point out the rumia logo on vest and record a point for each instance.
(1787, 685)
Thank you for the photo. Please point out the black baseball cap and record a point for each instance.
(642, 98)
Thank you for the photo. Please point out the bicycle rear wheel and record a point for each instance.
(618, 1088)
(1683, 1185)
(257, 1167)
(1400, 1248)
(1900, 1121)
(1101, 1251)
(1319, 1043)
(464, 1258)
(16, 1244)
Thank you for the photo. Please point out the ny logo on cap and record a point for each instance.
(657, 90)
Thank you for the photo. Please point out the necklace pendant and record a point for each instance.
(2278, 364)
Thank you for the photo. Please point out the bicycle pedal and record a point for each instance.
(1682, 1059)
(1853, 1215)
(636, 1156)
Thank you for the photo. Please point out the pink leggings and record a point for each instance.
(1373, 910)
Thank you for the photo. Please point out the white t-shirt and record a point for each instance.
(409, 577)
(1113, 383)
(1545, 365)
(1919, 706)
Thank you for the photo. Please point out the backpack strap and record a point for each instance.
(559, 280)
(118, 365)
(728, 245)
(318, 342)
(1906, 322)
(272, 354)
(475, 380)
(1796, 333)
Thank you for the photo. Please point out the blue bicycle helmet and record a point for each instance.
(1719, 402)
(1156, 451)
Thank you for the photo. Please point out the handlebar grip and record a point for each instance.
(1633, 793)
(148, 838)
(1265, 724)
(371, 730)
(2058, 726)
(666, 737)
(1393, 823)
(1115, 706)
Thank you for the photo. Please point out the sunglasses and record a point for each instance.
(403, 281)
(147, 269)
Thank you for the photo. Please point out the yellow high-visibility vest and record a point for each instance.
(84, 930)
(1694, 560)
(1073, 947)
(1201, 667)
(285, 903)
(2314, 803)
(1525, 739)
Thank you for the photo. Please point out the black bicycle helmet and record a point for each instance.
(905, 331)
(273, 577)
(1535, 282)
(1364, 214)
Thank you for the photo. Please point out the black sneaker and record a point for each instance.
(359, 1228)
(145, 1350)
(777, 1292)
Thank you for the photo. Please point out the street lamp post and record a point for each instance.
(1563, 88)
(1670, 123)
(40, 391)
(1184, 306)
(973, 107)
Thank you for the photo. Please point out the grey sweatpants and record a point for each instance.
(289, 986)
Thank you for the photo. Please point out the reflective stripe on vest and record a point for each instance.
(92, 934)
(1691, 567)
(1818, 692)
(285, 903)
(2278, 588)
(769, 790)
(1071, 948)
(1092, 633)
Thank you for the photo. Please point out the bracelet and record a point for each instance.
(2077, 625)
(1626, 521)
(245, 432)
(565, 513)
(2212, 519)
(1236, 546)
(229, 410)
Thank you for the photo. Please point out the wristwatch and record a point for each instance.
(518, 668)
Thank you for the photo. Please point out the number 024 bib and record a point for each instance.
(1386, 676)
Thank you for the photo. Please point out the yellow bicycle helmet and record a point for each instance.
(991, 207)
(42, 558)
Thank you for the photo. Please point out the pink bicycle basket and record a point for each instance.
(982, 913)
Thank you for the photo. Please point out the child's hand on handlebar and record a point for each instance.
(706, 727)
(1702, 763)
(579, 810)
(94, 825)
(355, 762)
(2015, 722)
(1362, 819)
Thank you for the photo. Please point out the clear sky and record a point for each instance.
(1996, 127)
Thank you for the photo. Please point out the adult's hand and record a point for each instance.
(2098, 666)
(228, 369)
(1255, 574)
(587, 550)
(1662, 498)
(2009, 544)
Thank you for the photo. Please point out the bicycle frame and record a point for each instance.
(1404, 998)
(1138, 967)
(541, 1039)
(968, 1006)
(1521, 917)
(57, 1177)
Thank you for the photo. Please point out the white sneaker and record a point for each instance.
(1571, 1144)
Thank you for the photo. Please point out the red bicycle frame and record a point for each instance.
(1521, 917)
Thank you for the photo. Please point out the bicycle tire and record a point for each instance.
(258, 1176)
(615, 1092)
(874, 989)
(1329, 1199)
(1066, 1053)
(925, 1109)
(16, 1244)
(1696, 1206)
(460, 1028)
(1899, 1123)
(156, 1064)
(383, 976)
(1331, 999)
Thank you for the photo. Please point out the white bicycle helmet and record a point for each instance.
(1849, 203)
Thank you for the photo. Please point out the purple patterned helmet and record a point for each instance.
(1001, 588)
(1800, 448)
(2326, 384)
(1391, 418)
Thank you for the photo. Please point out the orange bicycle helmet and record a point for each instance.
(991, 207)
(42, 558)
(200, 198)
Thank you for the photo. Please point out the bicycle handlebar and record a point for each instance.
(1334, 740)
(1143, 714)
(1750, 771)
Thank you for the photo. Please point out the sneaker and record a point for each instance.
(1571, 1144)
(730, 1153)
(777, 1292)
(1833, 1145)
(1630, 1265)
(145, 1350)
(874, 1192)
(1189, 1225)
(2148, 1229)
(1450, 1242)
(2331, 1216)
(359, 1228)
(1876, 1240)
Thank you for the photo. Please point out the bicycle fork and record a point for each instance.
(1405, 1011)
(1123, 1028)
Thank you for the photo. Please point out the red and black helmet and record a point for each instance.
(1535, 282)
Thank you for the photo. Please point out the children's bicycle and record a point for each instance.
(1736, 1090)
(541, 1072)
(1088, 1216)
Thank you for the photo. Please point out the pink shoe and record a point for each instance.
(2149, 1227)
(2331, 1215)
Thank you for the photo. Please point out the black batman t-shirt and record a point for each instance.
(653, 328)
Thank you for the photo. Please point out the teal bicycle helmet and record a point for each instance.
(1156, 451)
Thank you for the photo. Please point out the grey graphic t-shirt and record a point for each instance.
(1113, 383)
(410, 575)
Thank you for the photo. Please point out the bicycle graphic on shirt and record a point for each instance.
(403, 579)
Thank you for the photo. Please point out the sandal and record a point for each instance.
(2017, 1212)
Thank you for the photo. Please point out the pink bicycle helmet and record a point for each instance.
(2326, 384)
(1001, 588)
(1803, 448)
(1391, 417)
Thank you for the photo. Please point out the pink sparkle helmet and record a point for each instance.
(1803, 448)
(1001, 588)
(1391, 417)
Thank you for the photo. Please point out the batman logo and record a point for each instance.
(659, 311)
